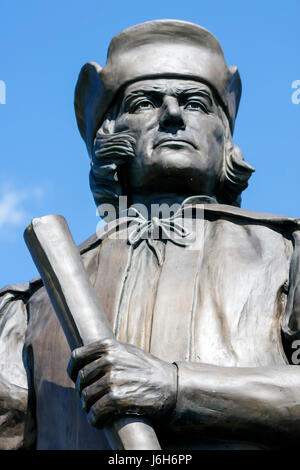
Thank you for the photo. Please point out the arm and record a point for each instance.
(13, 378)
(260, 403)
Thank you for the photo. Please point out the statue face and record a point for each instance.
(179, 136)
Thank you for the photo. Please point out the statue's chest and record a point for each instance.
(218, 301)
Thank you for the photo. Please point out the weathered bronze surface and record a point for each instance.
(204, 302)
(80, 314)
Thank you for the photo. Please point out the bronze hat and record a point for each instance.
(160, 48)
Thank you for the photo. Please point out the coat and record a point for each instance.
(224, 293)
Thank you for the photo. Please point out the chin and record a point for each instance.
(175, 160)
(174, 179)
(181, 171)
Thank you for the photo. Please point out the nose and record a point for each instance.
(171, 117)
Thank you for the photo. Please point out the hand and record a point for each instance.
(114, 378)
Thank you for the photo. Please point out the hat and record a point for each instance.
(160, 48)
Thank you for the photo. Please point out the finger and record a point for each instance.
(106, 409)
(91, 372)
(94, 392)
(85, 354)
(102, 412)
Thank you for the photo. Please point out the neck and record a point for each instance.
(156, 204)
(157, 199)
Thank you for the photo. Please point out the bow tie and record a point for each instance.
(156, 228)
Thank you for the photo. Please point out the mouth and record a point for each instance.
(174, 143)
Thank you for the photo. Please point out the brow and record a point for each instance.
(175, 91)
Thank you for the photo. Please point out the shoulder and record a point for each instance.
(18, 291)
(236, 213)
(24, 291)
(13, 375)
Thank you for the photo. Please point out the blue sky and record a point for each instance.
(44, 164)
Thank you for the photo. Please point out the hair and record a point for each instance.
(112, 150)
(235, 171)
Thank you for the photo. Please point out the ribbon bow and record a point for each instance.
(158, 229)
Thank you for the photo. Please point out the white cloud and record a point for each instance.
(12, 211)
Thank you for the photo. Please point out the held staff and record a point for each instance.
(74, 300)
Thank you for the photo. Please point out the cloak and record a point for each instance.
(220, 287)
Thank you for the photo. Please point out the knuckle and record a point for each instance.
(111, 397)
(92, 417)
(80, 380)
(84, 395)
(76, 354)
(83, 401)
(110, 379)
(96, 418)
(109, 358)
(104, 381)
(114, 395)
(81, 376)
(107, 343)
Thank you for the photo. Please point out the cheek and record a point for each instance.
(136, 123)
(142, 127)
(216, 143)
(210, 137)
(217, 147)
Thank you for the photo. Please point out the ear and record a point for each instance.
(87, 93)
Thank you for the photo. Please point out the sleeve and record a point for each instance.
(13, 376)
(290, 326)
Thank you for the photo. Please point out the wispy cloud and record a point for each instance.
(12, 210)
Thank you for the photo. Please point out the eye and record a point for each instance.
(196, 105)
(142, 105)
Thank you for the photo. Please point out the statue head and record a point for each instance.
(159, 117)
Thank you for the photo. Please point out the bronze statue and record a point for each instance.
(204, 303)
